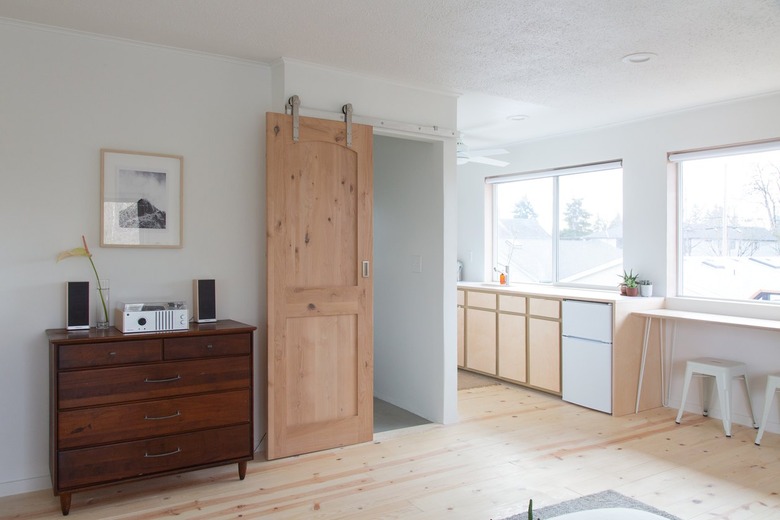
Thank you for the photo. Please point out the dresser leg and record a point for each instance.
(65, 503)
(241, 470)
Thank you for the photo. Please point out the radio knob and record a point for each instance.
(142, 321)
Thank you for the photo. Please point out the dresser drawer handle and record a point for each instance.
(167, 380)
(209, 346)
(177, 414)
(152, 456)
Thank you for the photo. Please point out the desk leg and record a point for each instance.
(648, 322)
(662, 354)
(671, 362)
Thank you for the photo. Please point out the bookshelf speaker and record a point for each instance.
(205, 301)
(77, 305)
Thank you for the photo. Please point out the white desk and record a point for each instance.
(664, 315)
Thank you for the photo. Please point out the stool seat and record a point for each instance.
(772, 386)
(720, 373)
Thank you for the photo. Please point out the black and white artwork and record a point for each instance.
(147, 189)
(141, 199)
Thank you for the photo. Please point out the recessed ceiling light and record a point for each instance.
(639, 57)
(517, 117)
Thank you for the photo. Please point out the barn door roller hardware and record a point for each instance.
(347, 110)
(294, 106)
(347, 115)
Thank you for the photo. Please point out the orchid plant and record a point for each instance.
(84, 251)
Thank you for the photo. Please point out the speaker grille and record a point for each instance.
(164, 320)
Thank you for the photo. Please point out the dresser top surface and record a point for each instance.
(113, 334)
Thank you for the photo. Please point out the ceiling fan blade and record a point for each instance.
(488, 161)
(487, 152)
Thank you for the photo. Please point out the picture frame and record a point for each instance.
(140, 199)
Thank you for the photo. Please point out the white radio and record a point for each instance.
(151, 317)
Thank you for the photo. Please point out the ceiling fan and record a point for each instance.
(479, 156)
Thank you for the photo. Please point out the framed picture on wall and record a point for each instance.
(140, 199)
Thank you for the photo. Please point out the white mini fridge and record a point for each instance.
(587, 354)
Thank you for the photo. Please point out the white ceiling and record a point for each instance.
(556, 61)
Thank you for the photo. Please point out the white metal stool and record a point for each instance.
(772, 386)
(721, 372)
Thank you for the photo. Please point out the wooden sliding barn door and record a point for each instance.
(320, 292)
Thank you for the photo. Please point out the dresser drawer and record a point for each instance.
(107, 354)
(125, 422)
(206, 346)
(113, 462)
(132, 383)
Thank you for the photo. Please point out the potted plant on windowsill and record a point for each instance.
(629, 285)
(645, 288)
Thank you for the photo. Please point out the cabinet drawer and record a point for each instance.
(133, 383)
(544, 308)
(481, 299)
(206, 346)
(126, 422)
(509, 303)
(106, 354)
(461, 297)
(114, 462)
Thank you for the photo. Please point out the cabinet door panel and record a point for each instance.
(544, 352)
(481, 340)
(511, 347)
(461, 336)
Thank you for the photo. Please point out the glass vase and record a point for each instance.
(102, 305)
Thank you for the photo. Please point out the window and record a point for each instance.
(559, 226)
(728, 223)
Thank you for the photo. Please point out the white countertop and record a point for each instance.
(550, 291)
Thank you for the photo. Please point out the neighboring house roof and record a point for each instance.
(707, 231)
(613, 231)
(730, 277)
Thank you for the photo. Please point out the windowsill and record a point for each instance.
(766, 311)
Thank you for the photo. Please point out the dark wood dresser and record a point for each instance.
(130, 406)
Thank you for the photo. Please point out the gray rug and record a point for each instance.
(604, 499)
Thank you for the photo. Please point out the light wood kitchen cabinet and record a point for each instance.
(524, 329)
(461, 328)
(511, 348)
(544, 344)
(544, 354)
(481, 337)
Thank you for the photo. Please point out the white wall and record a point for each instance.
(66, 96)
(63, 97)
(648, 224)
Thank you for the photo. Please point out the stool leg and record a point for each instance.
(724, 394)
(749, 401)
(707, 382)
(768, 398)
(686, 385)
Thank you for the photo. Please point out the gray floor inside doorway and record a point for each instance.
(390, 417)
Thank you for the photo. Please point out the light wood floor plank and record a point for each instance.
(510, 445)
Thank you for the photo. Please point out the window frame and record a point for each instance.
(677, 159)
(555, 174)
